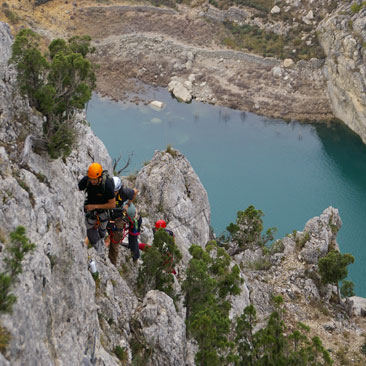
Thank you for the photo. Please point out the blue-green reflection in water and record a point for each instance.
(290, 171)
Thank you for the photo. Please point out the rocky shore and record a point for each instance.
(184, 47)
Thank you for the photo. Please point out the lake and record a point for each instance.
(290, 171)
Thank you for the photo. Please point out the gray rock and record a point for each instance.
(343, 45)
(359, 305)
(163, 329)
(323, 232)
(173, 192)
(177, 88)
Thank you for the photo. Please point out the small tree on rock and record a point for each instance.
(333, 268)
(159, 261)
(247, 231)
(58, 84)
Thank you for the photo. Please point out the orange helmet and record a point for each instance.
(95, 171)
(160, 224)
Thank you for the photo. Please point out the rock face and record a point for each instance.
(342, 36)
(173, 192)
(55, 314)
(163, 329)
(60, 311)
(323, 232)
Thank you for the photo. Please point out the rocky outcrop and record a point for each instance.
(172, 191)
(61, 312)
(342, 37)
(55, 315)
(163, 329)
(322, 235)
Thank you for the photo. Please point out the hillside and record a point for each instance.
(140, 44)
(62, 316)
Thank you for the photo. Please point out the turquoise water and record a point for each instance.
(290, 171)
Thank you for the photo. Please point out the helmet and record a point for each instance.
(117, 183)
(160, 224)
(95, 171)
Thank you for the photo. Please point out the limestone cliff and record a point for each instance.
(61, 314)
(342, 36)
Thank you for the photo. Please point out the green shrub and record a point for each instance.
(208, 282)
(57, 84)
(300, 240)
(262, 264)
(121, 353)
(171, 151)
(15, 251)
(158, 263)
(355, 8)
(247, 231)
(5, 338)
(276, 342)
(333, 269)
(347, 289)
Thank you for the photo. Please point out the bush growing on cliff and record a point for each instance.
(355, 8)
(57, 84)
(19, 246)
(247, 231)
(209, 281)
(159, 261)
(276, 344)
(333, 269)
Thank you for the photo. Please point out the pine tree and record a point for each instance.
(333, 268)
(159, 261)
(58, 84)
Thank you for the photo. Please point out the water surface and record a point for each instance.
(290, 171)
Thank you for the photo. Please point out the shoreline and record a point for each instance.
(241, 81)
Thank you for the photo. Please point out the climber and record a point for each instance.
(161, 224)
(119, 219)
(100, 197)
(134, 229)
(122, 193)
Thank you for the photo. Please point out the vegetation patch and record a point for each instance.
(268, 44)
(209, 281)
(300, 239)
(356, 7)
(276, 343)
(121, 354)
(58, 84)
(333, 269)
(262, 5)
(18, 247)
(11, 15)
(158, 263)
(169, 149)
(247, 231)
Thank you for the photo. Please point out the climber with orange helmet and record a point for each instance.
(99, 188)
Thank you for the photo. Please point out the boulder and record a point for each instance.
(179, 91)
(275, 10)
(157, 104)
